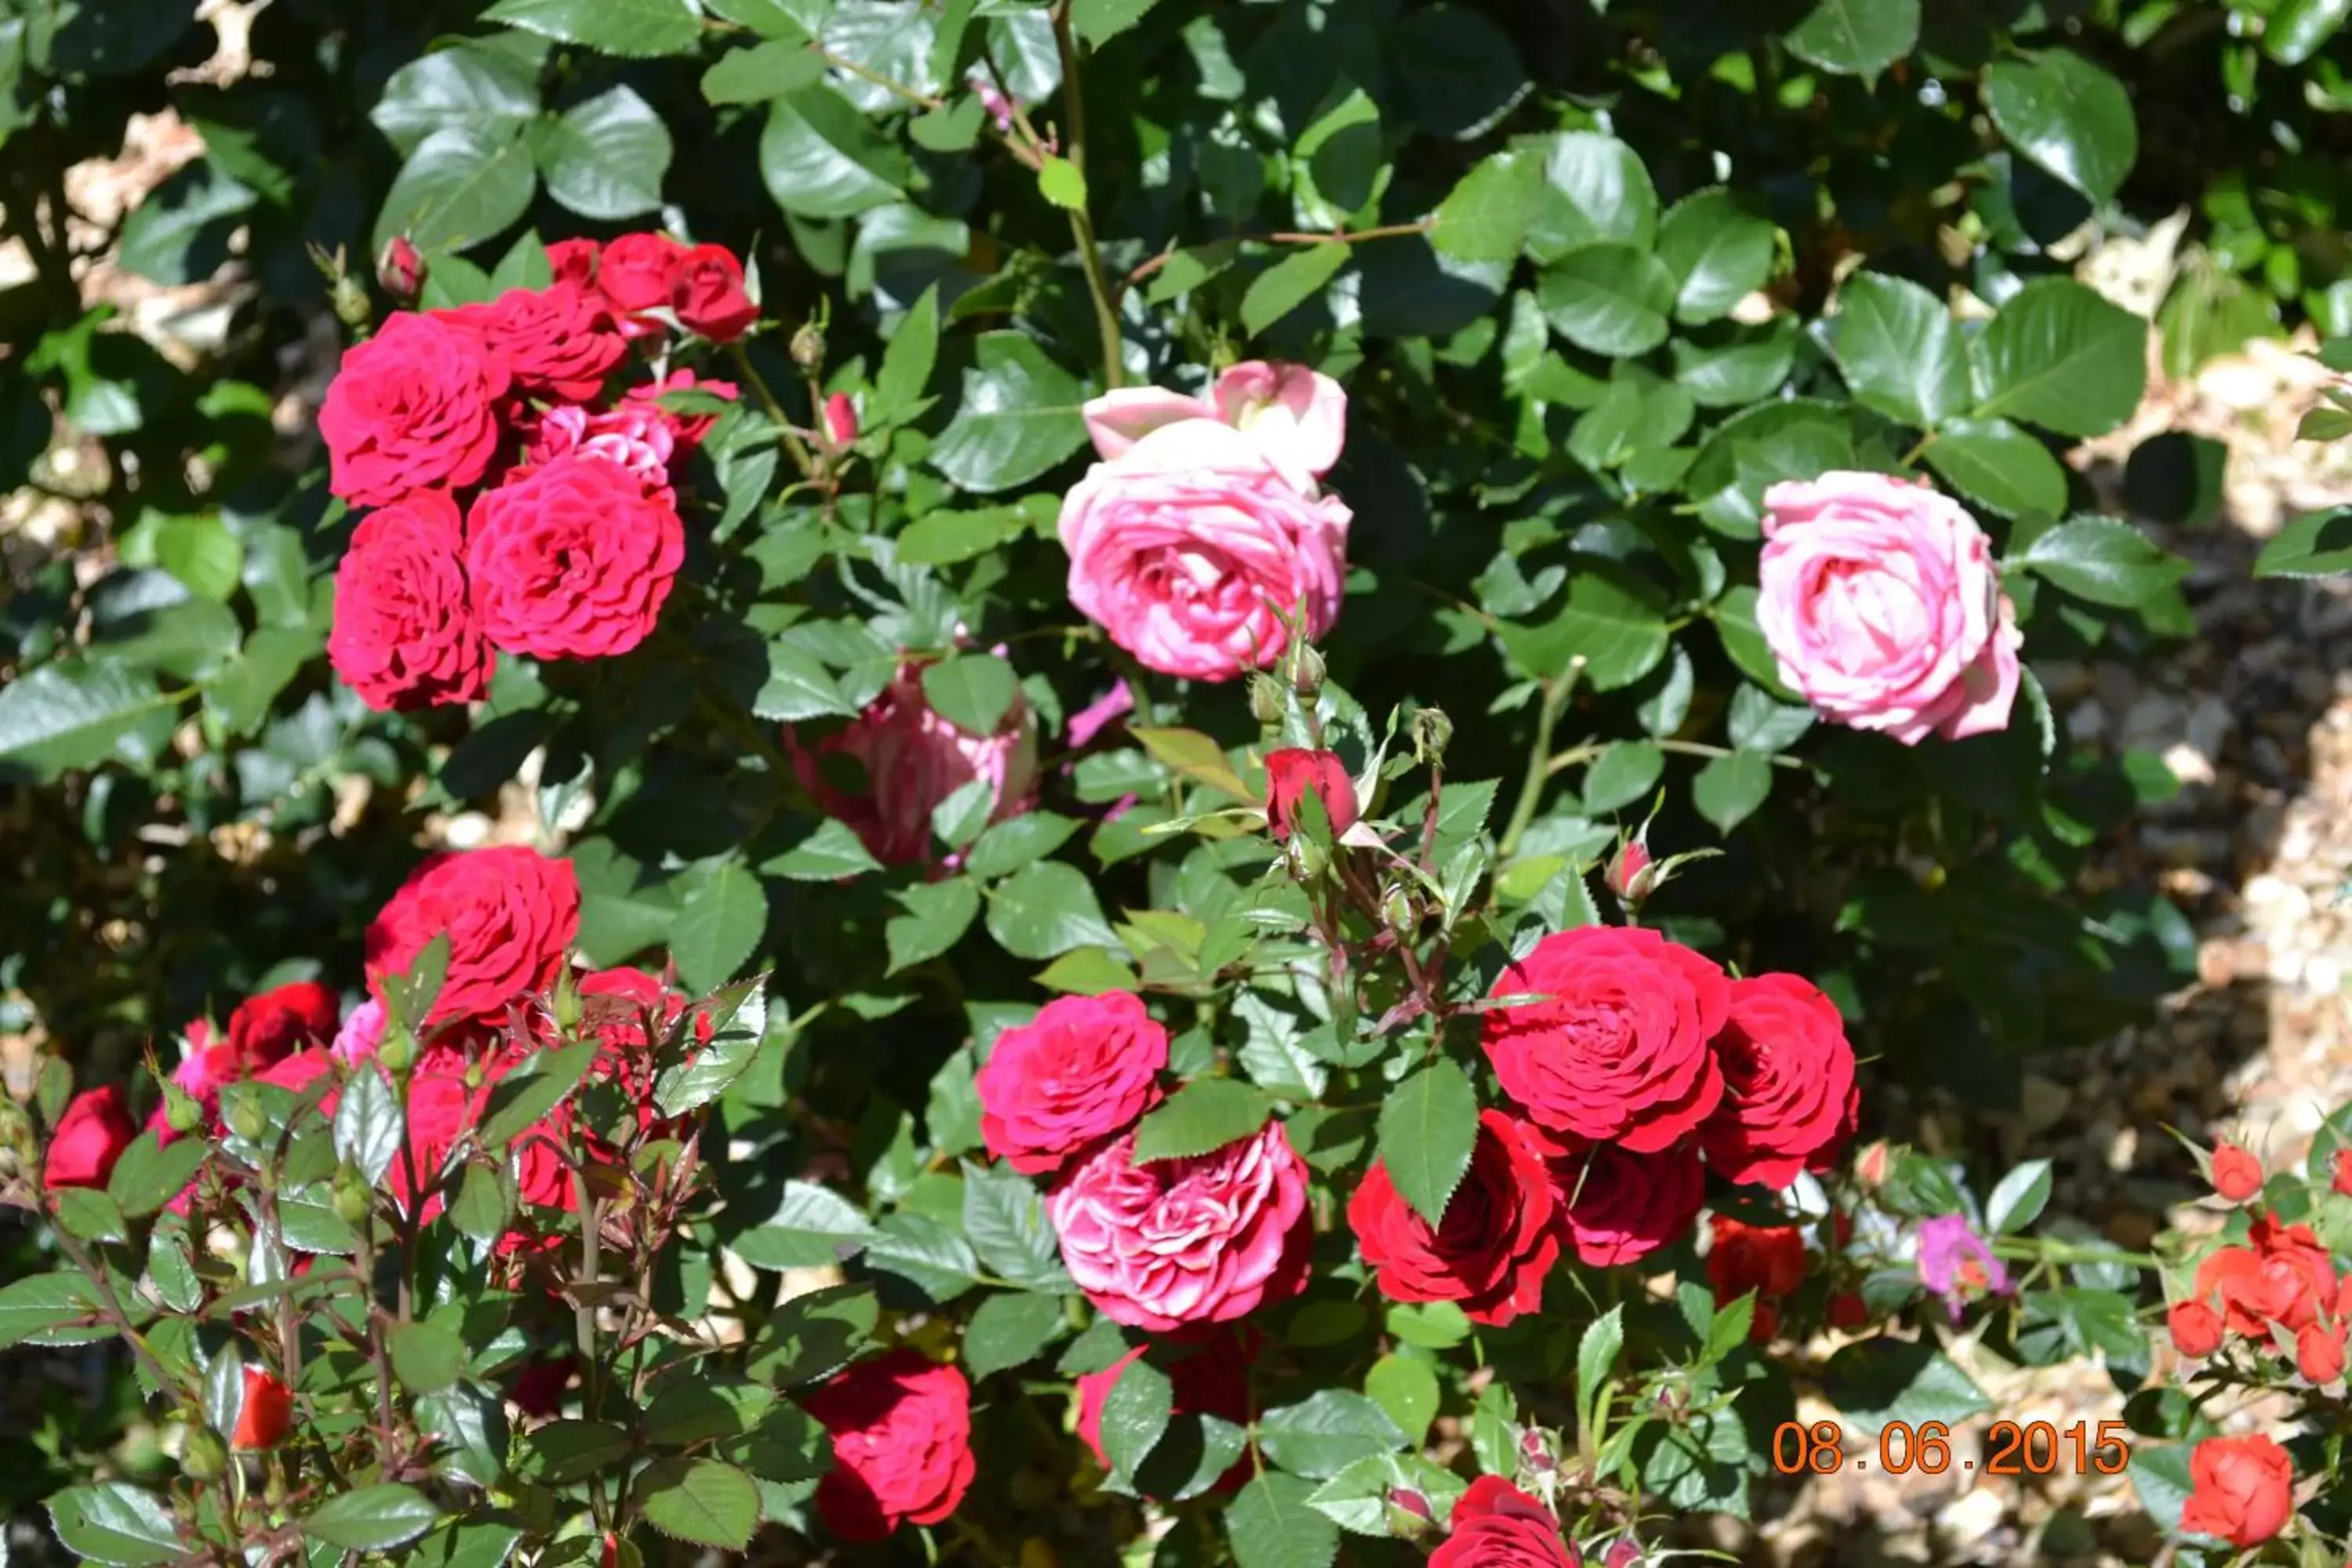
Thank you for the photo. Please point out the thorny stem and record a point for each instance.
(1555, 701)
(1082, 228)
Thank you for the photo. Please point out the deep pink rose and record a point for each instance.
(1497, 1525)
(414, 408)
(1201, 1240)
(447, 1095)
(1882, 603)
(1209, 1375)
(690, 427)
(1083, 1069)
(1619, 1046)
(634, 274)
(912, 759)
(573, 261)
(1788, 1074)
(405, 635)
(901, 1431)
(1294, 772)
(510, 912)
(361, 1034)
(1193, 545)
(1617, 1207)
(1498, 1243)
(572, 561)
(90, 1138)
(557, 342)
(706, 294)
(298, 1072)
(637, 437)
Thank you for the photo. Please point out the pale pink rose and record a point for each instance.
(1299, 416)
(361, 1033)
(1190, 547)
(1882, 603)
(1202, 1240)
(913, 760)
(1117, 420)
(641, 438)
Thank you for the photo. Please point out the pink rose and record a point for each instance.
(1882, 603)
(913, 759)
(639, 438)
(1191, 546)
(1202, 1240)
(690, 427)
(1084, 1069)
(1297, 416)
(361, 1033)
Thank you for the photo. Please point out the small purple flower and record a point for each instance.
(1000, 107)
(1950, 1253)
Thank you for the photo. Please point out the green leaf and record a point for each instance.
(1428, 1126)
(938, 914)
(1899, 350)
(149, 1175)
(2017, 1200)
(1719, 252)
(1856, 37)
(1271, 1524)
(1999, 466)
(1059, 182)
(631, 28)
(463, 184)
(814, 1335)
(947, 538)
(47, 1309)
(75, 714)
(1201, 1117)
(1612, 622)
(180, 234)
(1884, 1380)
(1011, 844)
(1044, 909)
(2299, 29)
(2066, 115)
(2316, 544)
(533, 1090)
(769, 18)
(1405, 1388)
(1596, 1359)
(1487, 216)
(368, 1124)
(833, 852)
(1134, 1416)
(2104, 559)
(699, 1500)
(1608, 298)
(606, 158)
(1626, 772)
(720, 924)
(1759, 724)
(769, 69)
(2159, 1474)
(425, 1356)
(1729, 789)
(908, 360)
(469, 1425)
(485, 1204)
(372, 1519)
(564, 1451)
(1322, 1434)
(89, 1215)
(820, 158)
(696, 1406)
(1290, 283)
(971, 691)
(1004, 1220)
(1595, 189)
(1018, 417)
(798, 687)
(116, 1522)
(926, 1253)
(812, 1228)
(492, 90)
(2060, 356)
(1010, 1330)
(1097, 21)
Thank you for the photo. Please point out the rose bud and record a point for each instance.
(90, 1138)
(840, 419)
(2196, 1328)
(1871, 1165)
(262, 1419)
(2342, 1180)
(1407, 1500)
(400, 270)
(1290, 773)
(2237, 1175)
(1432, 731)
(202, 1455)
(1537, 1453)
(2319, 1352)
(1629, 874)
(808, 346)
(1624, 1553)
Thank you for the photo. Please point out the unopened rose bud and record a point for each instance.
(396, 1050)
(353, 1199)
(1405, 1500)
(1624, 1553)
(565, 1002)
(1536, 1454)
(1432, 731)
(1870, 1167)
(841, 420)
(1633, 874)
(1264, 699)
(400, 270)
(808, 346)
(1305, 668)
(1396, 910)
(351, 302)
(246, 1120)
(269, 1406)
(2237, 1175)
(203, 1454)
(182, 1114)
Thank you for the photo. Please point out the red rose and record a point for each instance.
(634, 273)
(1496, 1242)
(2283, 1277)
(2319, 1352)
(90, 1138)
(543, 1168)
(706, 294)
(1201, 1240)
(572, 561)
(1291, 773)
(400, 270)
(538, 1390)
(405, 635)
(262, 1418)
(901, 1432)
(2196, 1328)
(414, 407)
(1788, 1074)
(1497, 1525)
(558, 341)
(841, 419)
(1618, 1047)
(442, 1107)
(616, 1006)
(269, 1027)
(572, 262)
(298, 1072)
(509, 913)
(1083, 1069)
(2244, 1489)
(1212, 1380)
(1616, 1206)
(1740, 1257)
(690, 427)
(2237, 1175)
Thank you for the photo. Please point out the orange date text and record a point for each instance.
(1924, 1447)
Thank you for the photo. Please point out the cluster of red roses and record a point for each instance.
(515, 505)
(2282, 1277)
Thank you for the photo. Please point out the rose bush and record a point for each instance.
(1075, 782)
